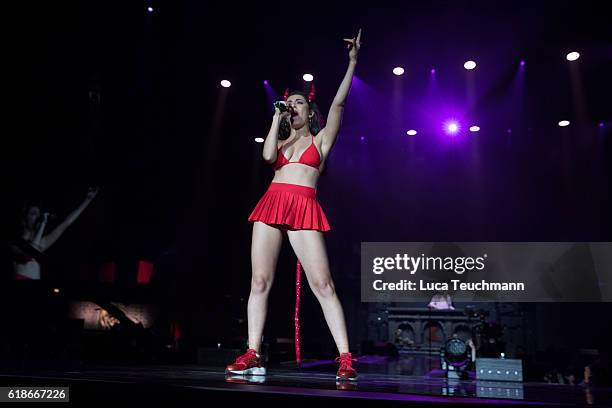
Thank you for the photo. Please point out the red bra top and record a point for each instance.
(310, 157)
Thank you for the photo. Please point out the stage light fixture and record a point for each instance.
(455, 357)
(572, 56)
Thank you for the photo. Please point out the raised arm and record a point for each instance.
(53, 236)
(334, 117)
(37, 240)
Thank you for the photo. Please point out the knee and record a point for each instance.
(260, 285)
(324, 288)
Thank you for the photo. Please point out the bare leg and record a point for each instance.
(265, 247)
(309, 247)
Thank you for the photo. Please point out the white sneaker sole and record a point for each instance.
(250, 371)
(345, 379)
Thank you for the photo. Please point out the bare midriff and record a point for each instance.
(297, 173)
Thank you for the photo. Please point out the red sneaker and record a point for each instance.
(247, 364)
(346, 370)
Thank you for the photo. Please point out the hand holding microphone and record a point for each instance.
(282, 109)
(48, 216)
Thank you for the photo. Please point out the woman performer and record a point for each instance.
(290, 207)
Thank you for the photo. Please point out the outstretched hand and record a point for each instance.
(92, 192)
(354, 44)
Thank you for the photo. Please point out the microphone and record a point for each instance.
(283, 107)
(50, 216)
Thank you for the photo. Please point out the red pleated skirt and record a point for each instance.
(290, 207)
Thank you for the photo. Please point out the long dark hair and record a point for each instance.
(315, 123)
(25, 209)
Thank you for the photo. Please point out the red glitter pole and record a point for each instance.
(296, 317)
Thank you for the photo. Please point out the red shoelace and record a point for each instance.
(346, 360)
(250, 355)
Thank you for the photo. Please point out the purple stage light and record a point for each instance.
(522, 63)
(601, 124)
(150, 9)
(474, 128)
(451, 127)
(433, 71)
(411, 132)
(398, 71)
(265, 82)
(362, 138)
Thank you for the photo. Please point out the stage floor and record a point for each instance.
(316, 380)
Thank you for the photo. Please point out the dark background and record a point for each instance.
(104, 93)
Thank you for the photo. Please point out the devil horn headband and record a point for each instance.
(311, 94)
